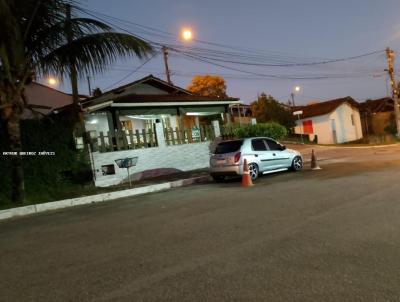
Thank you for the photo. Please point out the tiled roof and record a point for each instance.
(140, 98)
(378, 105)
(324, 107)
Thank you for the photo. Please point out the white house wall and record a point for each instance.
(321, 128)
(345, 131)
(181, 157)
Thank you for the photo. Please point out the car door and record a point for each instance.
(280, 157)
(260, 151)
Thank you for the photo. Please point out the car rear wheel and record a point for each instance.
(297, 163)
(218, 178)
(253, 171)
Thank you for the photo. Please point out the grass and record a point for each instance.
(37, 193)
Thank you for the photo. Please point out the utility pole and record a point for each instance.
(72, 63)
(167, 72)
(89, 86)
(395, 92)
(292, 95)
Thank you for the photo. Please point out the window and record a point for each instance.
(308, 127)
(352, 119)
(228, 147)
(258, 145)
(108, 169)
(273, 145)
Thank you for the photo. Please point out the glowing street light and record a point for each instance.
(52, 81)
(296, 89)
(187, 34)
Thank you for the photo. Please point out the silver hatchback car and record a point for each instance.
(264, 155)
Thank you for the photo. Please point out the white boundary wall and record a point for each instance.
(185, 157)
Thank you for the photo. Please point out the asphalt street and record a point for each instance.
(328, 235)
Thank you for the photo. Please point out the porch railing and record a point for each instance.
(177, 136)
(124, 140)
(137, 139)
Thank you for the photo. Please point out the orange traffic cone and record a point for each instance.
(314, 163)
(246, 179)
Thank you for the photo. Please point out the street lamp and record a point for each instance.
(296, 89)
(298, 113)
(187, 34)
(52, 81)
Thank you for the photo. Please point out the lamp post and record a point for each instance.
(300, 125)
(296, 89)
(186, 35)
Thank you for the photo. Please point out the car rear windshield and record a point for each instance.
(228, 147)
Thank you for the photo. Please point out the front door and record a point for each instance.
(333, 127)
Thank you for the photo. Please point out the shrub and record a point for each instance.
(271, 129)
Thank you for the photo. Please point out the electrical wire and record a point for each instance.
(132, 72)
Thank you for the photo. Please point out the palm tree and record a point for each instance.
(40, 37)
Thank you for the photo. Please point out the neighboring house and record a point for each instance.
(241, 113)
(165, 127)
(335, 121)
(43, 100)
(376, 115)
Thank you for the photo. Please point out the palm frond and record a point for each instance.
(93, 53)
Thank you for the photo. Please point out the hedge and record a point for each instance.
(46, 176)
(270, 129)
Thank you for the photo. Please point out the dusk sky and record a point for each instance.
(302, 31)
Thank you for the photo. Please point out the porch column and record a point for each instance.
(160, 135)
(217, 130)
(228, 118)
(116, 120)
(110, 120)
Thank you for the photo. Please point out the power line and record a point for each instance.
(132, 72)
(251, 59)
(201, 51)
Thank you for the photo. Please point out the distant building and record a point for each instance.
(335, 121)
(376, 115)
(241, 113)
(43, 100)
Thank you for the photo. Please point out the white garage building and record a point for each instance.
(333, 122)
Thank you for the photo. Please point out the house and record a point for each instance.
(165, 127)
(241, 113)
(43, 100)
(138, 105)
(376, 115)
(335, 121)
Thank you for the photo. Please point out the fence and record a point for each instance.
(139, 139)
(123, 140)
(176, 136)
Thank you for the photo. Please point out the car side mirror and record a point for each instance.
(283, 148)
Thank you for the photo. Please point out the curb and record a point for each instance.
(72, 202)
(347, 147)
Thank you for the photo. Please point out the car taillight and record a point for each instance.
(237, 157)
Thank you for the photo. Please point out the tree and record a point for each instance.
(97, 92)
(208, 85)
(38, 38)
(267, 109)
